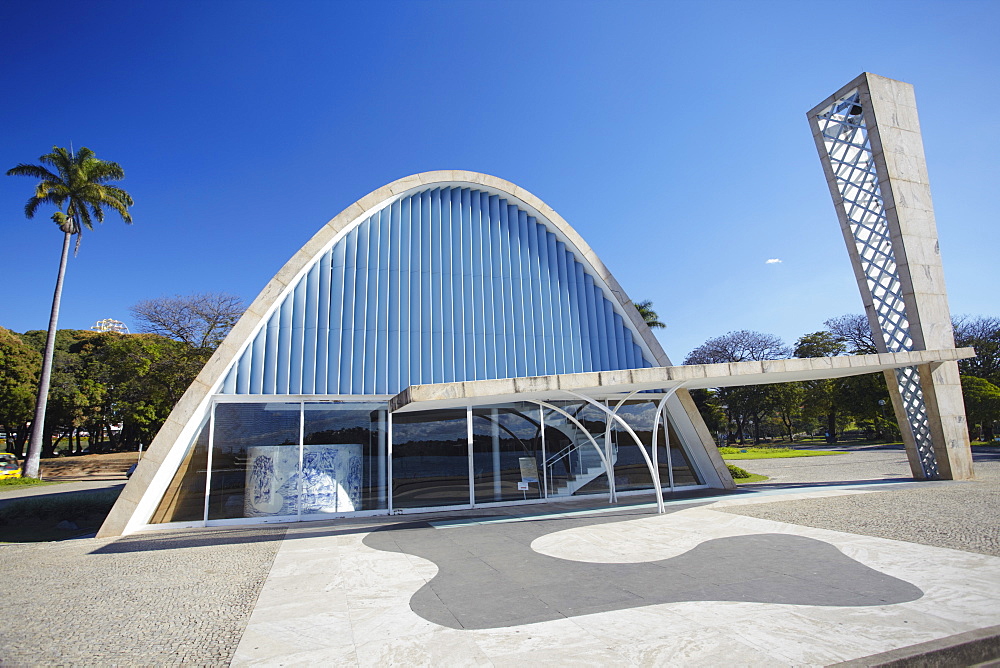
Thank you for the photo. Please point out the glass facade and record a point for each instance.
(507, 455)
(631, 469)
(305, 459)
(344, 444)
(574, 439)
(255, 460)
(430, 459)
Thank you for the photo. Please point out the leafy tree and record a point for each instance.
(821, 395)
(139, 377)
(983, 334)
(866, 399)
(820, 344)
(73, 401)
(745, 406)
(740, 346)
(854, 331)
(19, 368)
(80, 187)
(201, 320)
(710, 407)
(650, 316)
(982, 405)
(787, 400)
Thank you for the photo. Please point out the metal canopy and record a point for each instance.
(615, 384)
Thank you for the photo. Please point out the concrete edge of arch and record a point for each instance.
(151, 476)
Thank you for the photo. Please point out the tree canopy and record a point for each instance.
(651, 318)
(19, 368)
(833, 405)
(739, 346)
(983, 334)
(200, 320)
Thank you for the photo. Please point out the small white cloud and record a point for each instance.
(773, 260)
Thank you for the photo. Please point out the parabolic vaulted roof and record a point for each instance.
(439, 277)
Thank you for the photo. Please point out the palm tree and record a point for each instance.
(77, 183)
(645, 309)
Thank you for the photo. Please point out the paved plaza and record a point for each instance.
(835, 570)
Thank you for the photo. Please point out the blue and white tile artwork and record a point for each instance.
(331, 479)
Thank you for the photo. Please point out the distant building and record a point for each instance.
(110, 325)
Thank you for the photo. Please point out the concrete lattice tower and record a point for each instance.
(868, 138)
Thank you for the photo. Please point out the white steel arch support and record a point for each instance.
(608, 467)
(654, 473)
(607, 437)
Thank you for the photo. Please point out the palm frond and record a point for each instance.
(97, 211)
(121, 208)
(83, 154)
(119, 194)
(60, 158)
(36, 171)
(99, 171)
(81, 215)
(645, 309)
(33, 203)
(55, 189)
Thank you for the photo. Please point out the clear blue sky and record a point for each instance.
(671, 135)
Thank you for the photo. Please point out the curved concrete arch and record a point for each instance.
(164, 455)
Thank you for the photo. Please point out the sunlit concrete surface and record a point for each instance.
(339, 592)
(753, 596)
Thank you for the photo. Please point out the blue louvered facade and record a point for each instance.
(445, 284)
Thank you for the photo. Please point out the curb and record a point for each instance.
(981, 646)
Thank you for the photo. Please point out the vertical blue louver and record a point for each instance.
(447, 284)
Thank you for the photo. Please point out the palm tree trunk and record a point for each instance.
(31, 462)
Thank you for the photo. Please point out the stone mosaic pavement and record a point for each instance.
(704, 584)
(354, 600)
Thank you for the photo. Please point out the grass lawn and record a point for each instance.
(16, 483)
(754, 477)
(751, 452)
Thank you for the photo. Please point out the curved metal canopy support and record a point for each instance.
(653, 472)
(607, 438)
(660, 409)
(609, 469)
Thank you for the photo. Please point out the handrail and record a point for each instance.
(609, 469)
(558, 455)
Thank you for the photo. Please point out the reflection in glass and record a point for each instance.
(573, 465)
(507, 453)
(684, 473)
(184, 500)
(631, 469)
(344, 457)
(430, 459)
(255, 459)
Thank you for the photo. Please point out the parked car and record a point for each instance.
(9, 466)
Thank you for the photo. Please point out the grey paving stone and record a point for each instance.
(961, 515)
(179, 598)
(510, 580)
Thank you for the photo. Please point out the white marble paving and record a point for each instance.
(333, 600)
